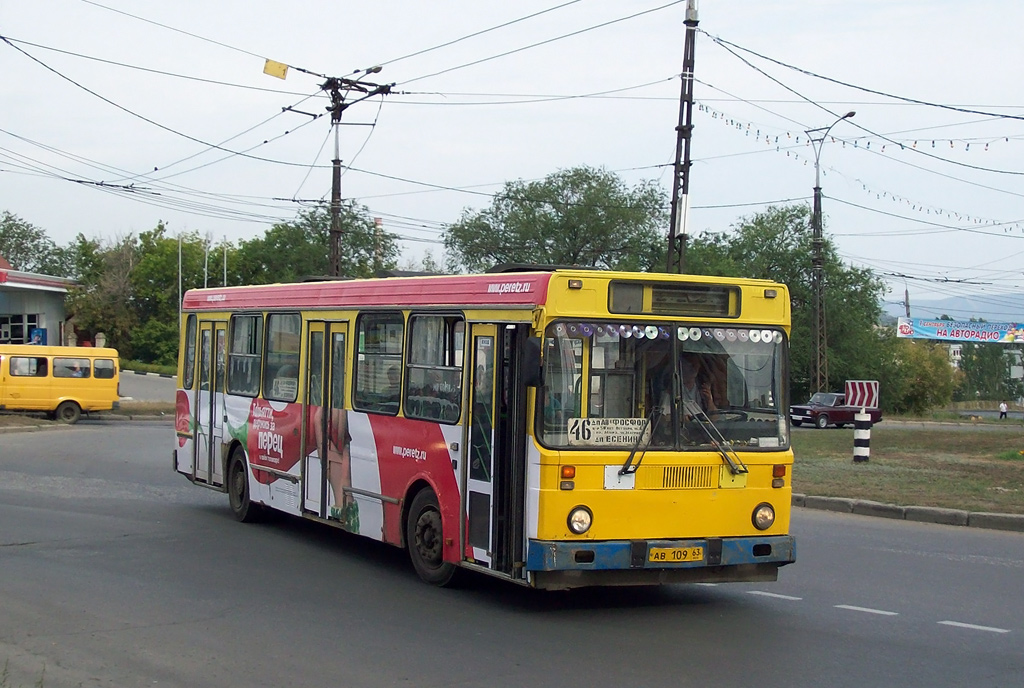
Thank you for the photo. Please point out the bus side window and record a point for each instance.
(71, 367)
(103, 368)
(281, 370)
(380, 339)
(22, 366)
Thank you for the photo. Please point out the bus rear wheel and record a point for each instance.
(424, 539)
(238, 490)
(68, 412)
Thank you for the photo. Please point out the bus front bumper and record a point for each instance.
(607, 555)
(566, 565)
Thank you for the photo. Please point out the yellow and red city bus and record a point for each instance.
(557, 428)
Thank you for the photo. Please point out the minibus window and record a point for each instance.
(22, 366)
(103, 368)
(71, 367)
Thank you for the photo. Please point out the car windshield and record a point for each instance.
(824, 399)
(612, 385)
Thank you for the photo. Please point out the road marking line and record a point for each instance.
(776, 595)
(866, 610)
(990, 629)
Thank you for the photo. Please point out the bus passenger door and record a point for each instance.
(313, 455)
(325, 430)
(494, 483)
(209, 403)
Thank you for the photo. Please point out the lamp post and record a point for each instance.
(819, 357)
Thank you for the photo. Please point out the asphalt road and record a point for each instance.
(147, 387)
(114, 571)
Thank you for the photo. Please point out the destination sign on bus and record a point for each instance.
(597, 432)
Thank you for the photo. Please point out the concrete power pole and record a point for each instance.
(337, 88)
(681, 178)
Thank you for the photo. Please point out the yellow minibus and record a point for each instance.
(63, 381)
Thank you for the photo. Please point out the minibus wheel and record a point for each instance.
(425, 540)
(238, 490)
(68, 412)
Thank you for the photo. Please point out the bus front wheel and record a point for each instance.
(425, 540)
(68, 412)
(238, 490)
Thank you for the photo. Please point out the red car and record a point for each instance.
(828, 408)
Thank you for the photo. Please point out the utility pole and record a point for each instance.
(681, 178)
(337, 88)
(819, 358)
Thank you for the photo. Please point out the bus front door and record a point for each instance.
(494, 481)
(326, 466)
(209, 404)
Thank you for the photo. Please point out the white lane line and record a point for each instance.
(866, 610)
(973, 627)
(775, 595)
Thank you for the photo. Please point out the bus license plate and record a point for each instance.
(675, 555)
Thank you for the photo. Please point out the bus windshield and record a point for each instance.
(613, 385)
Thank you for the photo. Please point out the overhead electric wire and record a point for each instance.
(147, 119)
(150, 70)
(535, 98)
(863, 128)
(969, 230)
(913, 101)
(478, 33)
(540, 43)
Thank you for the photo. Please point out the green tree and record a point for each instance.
(986, 371)
(915, 375)
(776, 244)
(290, 251)
(28, 248)
(128, 289)
(102, 301)
(581, 216)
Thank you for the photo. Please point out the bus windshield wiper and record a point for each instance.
(736, 465)
(629, 466)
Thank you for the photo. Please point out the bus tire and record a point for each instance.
(821, 421)
(242, 508)
(68, 412)
(425, 540)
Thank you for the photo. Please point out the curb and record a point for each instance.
(139, 372)
(163, 420)
(920, 514)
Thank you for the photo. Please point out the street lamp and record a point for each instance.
(819, 358)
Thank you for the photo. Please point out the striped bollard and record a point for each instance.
(861, 436)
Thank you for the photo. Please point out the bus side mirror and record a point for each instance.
(532, 370)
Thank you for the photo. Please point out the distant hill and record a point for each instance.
(1007, 307)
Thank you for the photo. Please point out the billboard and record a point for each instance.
(960, 331)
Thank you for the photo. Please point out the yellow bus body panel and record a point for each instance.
(47, 392)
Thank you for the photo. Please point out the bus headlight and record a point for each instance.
(580, 519)
(763, 516)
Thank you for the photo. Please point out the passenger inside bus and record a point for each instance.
(695, 395)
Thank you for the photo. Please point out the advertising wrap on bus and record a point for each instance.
(574, 428)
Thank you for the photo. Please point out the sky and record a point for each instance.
(118, 114)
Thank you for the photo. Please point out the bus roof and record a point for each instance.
(54, 350)
(501, 289)
(521, 289)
